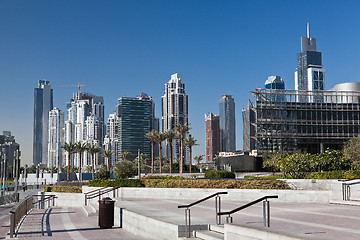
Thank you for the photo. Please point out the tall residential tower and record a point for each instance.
(174, 109)
(212, 136)
(309, 74)
(227, 124)
(43, 103)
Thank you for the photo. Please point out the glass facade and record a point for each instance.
(227, 124)
(135, 116)
(311, 126)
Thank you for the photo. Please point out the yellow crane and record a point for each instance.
(78, 85)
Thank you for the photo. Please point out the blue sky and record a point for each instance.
(123, 48)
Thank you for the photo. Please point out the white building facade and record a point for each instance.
(56, 139)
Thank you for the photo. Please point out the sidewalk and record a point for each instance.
(68, 223)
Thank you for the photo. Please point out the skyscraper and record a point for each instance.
(309, 74)
(274, 82)
(227, 124)
(136, 118)
(43, 103)
(249, 131)
(111, 139)
(56, 138)
(85, 123)
(174, 109)
(212, 136)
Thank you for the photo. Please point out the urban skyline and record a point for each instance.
(122, 48)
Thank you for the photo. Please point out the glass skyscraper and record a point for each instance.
(136, 118)
(309, 75)
(43, 103)
(227, 124)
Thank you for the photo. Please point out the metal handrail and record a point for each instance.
(217, 210)
(346, 187)
(18, 212)
(266, 209)
(99, 192)
(47, 198)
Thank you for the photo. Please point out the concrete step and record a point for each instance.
(90, 210)
(342, 202)
(216, 228)
(208, 235)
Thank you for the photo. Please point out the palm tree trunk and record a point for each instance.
(68, 168)
(181, 156)
(170, 155)
(152, 157)
(108, 164)
(160, 157)
(190, 164)
(92, 165)
(80, 160)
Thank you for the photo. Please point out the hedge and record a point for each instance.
(163, 177)
(341, 174)
(116, 183)
(219, 174)
(63, 189)
(205, 183)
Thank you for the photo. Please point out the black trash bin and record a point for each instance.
(106, 213)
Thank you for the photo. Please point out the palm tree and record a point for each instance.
(152, 135)
(189, 141)
(93, 149)
(107, 154)
(181, 129)
(69, 148)
(125, 155)
(170, 135)
(80, 148)
(198, 159)
(159, 138)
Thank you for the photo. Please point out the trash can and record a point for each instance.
(106, 213)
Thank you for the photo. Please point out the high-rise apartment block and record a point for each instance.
(85, 123)
(212, 136)
(174, 109)
(56, 139)
(227, 124)
(111, 141)
(249, 131)
(309, 74)
(43, 103)
(136, 117)
(8, 148)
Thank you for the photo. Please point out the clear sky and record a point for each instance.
(122, 48)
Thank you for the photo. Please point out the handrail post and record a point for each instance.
(12, 224)
(187, 221)
(348, 193)
(85, 199)
(266, 213)
(218, 209)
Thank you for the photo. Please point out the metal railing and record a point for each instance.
(22, 208)
(266, 210)
(346, 193)
(217, 210)
(98, 192)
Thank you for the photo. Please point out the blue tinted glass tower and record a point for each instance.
(43, 103)
(227, 124)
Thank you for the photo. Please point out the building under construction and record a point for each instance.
(289, 120)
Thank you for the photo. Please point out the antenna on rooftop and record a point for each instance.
(308, 30)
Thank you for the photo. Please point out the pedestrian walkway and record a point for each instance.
(299, 220)
(68, 223)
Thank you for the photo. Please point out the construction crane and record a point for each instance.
(78, 85)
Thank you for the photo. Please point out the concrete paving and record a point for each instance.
(67, 223)
(304, 221)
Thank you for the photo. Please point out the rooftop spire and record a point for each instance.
(308, 30)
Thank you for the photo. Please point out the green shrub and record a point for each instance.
(206, 183)
(219, 174)
(63, 189)
(163, 177)
(116, 183)
(341, 174)
(278, 176)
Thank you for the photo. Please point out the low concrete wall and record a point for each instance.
(145, 226)
(235, 232)
(67, 199)
(9, 198)
(304, 196)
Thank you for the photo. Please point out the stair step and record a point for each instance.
(217, 228)
(89, 210)
(208, 235)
